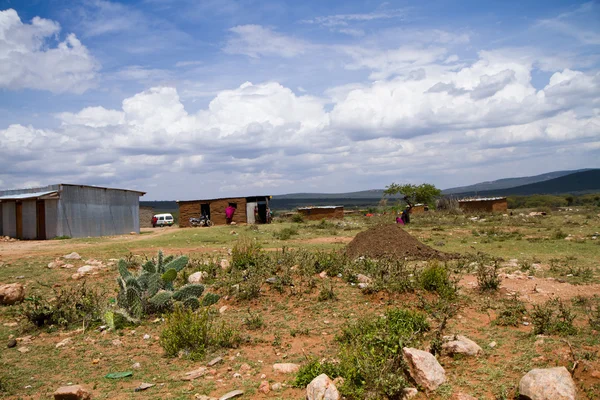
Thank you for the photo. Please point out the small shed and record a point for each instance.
(68, 210)
(322, 212)
(250, 210)
(488, 204)
(418, 209)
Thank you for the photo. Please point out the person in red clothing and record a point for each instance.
(229, 211)
(154, 221)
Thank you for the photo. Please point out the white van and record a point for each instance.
(162, 220)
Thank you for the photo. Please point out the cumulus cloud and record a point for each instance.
(267, 137)
(28, 60)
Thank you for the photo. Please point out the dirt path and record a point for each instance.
(10, 251)
(536, 290)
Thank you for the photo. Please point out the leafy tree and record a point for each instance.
(424, 193)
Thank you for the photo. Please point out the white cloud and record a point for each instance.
(95, 117)
(28, 61)
(346, 19)
(255, 41)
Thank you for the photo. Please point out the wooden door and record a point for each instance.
(19, 217)
(40, 217)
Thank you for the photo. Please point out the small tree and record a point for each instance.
(424, 193)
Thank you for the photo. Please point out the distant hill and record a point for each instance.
(586, 181)
(509, 182)
(364, 194)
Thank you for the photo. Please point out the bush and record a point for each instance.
(595, 315)
(192, 333)
(246, 253)
(553, 317)
(511, 312)
(436, 278)
(253, 321)
(370, 355)
(298, 218)
(327, 293)
(487, 276)
(286, 233)
(70, 305)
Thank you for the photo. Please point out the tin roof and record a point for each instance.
(27, 196)
(483, 199)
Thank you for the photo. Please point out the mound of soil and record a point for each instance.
(391, 241)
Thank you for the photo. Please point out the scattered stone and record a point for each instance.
(363, 279)
(11, 343)
(146, 336)
(493, 344)
(95, 361)
(363, 285)
(263, 376)
(197, 277)
(223, 309)
(136, 365)
(459, 344)
(237, 375)
(272, 279)
(548, 383)
(409, 393)
(56, 263)
(117, 342)
(197, 373)
(63, 342)
(67, 266)
(276, 386)
(215, 361)
(424, 368)
(224, 264)
(23, 349)
(286, 368)
(73, 392)
(72, 256)
(322, 388)
(245, 368)
(11, 293)
(199, 396)
(231, 395)
(10, 324)
(264, 387)
(323, 274)
(143, 386)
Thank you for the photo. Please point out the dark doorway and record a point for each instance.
(262, 212)
(205, 210)
(19, 218)
(40, 217)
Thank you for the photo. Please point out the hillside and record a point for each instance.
(509, 182)
(577, 183)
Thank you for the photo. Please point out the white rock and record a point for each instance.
(11, 293)
(286, 368)
(548, 384)
(72, 256)
(63, 342)
(424, 368)
(197, 277)
(409, 393)
(224, 263)
(363, 279)
(322, 388)
(459, 344)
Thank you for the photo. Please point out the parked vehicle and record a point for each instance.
(162, 220)
(202, 221)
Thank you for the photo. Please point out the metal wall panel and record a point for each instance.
(29, 221)
(87, 211)
(51, 219)
(1, 227)
(9, 218)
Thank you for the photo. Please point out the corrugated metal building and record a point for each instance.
(250, 210)
(68, 210)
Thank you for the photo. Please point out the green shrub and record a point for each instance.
(314, 368)
(327, 293)
(298, 218)
(511, 312)
(70, 305)
(246, 253)
(253, 321)
(487, 276)
(559, 234)
(192, 333)
(553, 317)
(436, 278)
(594, 318)
(286, 233)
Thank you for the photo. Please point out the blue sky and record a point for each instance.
(186, 99)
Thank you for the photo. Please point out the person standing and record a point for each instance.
(229, 211)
